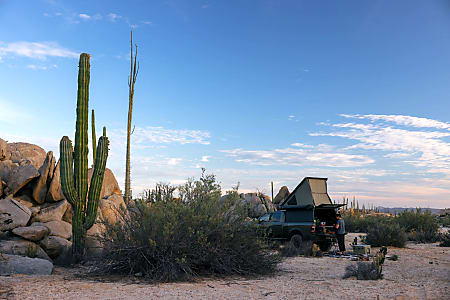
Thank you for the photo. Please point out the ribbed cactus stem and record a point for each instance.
(74, 166)
(96, 182)
(104, 131)
(81, 133)
(94, 139)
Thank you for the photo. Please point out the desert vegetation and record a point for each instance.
(394, 230)
(165, 238)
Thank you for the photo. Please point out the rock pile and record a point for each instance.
(35, 217)
(256, 204)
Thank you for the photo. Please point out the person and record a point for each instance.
(340, 233)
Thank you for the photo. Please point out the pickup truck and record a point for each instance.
(316, 224)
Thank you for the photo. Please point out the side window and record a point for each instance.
(293, 201)
(276, 216)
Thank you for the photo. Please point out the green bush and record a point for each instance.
(421, 226)
(181, 239)
(387, 233)
(445, 240)
(361, 223)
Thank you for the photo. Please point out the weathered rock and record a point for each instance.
(255, 206)
(60, 228)
(35, 210)
(32, 233)
(13, 214)
(110, 207)
(1, 187)
(19, 246)
(3, 149)
(25, 200)
(26, 152)
(94, 247)
(6, 167)
(69, 214)
(109, 186)
(51, 171)
(55, 192)
(40, 186)
(282, 194)
(20, 176)
(15, 264)
(55, 245)
(54, 212)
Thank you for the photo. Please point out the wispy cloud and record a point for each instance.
(114, 17)
(205, 158)
(144, 137)
(403, 120)
(38, 50)
(302, 155)
(419, 148)
(84, 16)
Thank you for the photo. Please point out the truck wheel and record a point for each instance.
(296, 240)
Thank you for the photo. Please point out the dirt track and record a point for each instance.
(422, 272)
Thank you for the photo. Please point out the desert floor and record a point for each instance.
(422, 272)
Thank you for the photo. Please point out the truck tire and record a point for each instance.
(296, 240)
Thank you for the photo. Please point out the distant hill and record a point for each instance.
(396, 210)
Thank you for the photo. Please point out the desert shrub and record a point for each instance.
(296, 248)
(422, 236)
(421, 226)
(361, 223)
(444, 220)
(386, 233)
(363, 271)
(445, 240)
(179, 240)
(368, 270)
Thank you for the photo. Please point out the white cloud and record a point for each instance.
(205, 158)
(173, 161)
(39, 50)
(403, 120)
(114, 17)
(164, 135)
(321, 155)
(84, 17)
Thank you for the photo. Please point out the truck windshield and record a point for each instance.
(276, 216)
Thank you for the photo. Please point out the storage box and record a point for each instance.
(361, 249)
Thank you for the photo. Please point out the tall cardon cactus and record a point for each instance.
(74, 166)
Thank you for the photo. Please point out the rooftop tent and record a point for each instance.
(311, 192)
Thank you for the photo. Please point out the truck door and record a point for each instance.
(276, 224)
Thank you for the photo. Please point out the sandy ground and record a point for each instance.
(422, 272)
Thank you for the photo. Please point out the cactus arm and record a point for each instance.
(67, 184)
(96, 182)
(104, 131)
(81, 133)
(94, 139)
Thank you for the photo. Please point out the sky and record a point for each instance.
(253, 91)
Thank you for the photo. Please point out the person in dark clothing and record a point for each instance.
(340, 233)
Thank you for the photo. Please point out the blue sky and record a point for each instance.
(254, 91)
